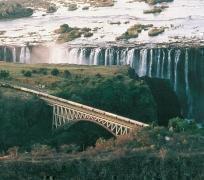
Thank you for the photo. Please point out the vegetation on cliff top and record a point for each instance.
(13, 10)
(68, 33)
(156, 31)
(133, 31)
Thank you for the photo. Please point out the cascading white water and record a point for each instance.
(177, 57)
(91, 57)
(111, 56)
(106, 57)
(158, 62)
(14, 54)
(123, 56)
(82, 56)
(96, 56)
(143, 63)
(130, 57)
(5, 55)
(169, 64)
(163, 63)
(57, 54)
(187, 87)
(151, 63)
(22, 55)
(73, 56)
(118, 57)
(25, 55)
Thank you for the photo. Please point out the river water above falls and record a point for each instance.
(183, 18)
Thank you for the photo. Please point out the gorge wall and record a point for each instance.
(184, 67)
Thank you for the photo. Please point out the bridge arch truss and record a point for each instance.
(68, 116)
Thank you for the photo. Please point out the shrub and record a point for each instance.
(133, 31)
(67, 74)
(27, 73)
(85, 8)
(55, 72)
(98, 75)
(43, 71)
(13, 151)
(102, 144)
(156, 31)
(69, 148)
(41, 150)
(154, 10)
(34, 71)
(88, 34)
(131, 73)
(13, 10)
(4, 74)
(120, 76)
(181, 125)
(72, 7)
(51, 9)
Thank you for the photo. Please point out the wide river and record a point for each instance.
(183, 19)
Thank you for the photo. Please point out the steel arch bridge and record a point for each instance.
(67, 112)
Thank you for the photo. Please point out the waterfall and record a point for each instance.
(169, 64)
(187, 87)
(14, 54)
(73, 56)
(82, 56)
(118, 57)
(162, 66)
(177, 56)
(106, 57)
(96, 56)
(111, 56)
(5, 56)
(143, 63)
(123, 56)
(22, 55)
(92, 55)
(25, 55)
(158, 62)
(151, 63)
(130, 57)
